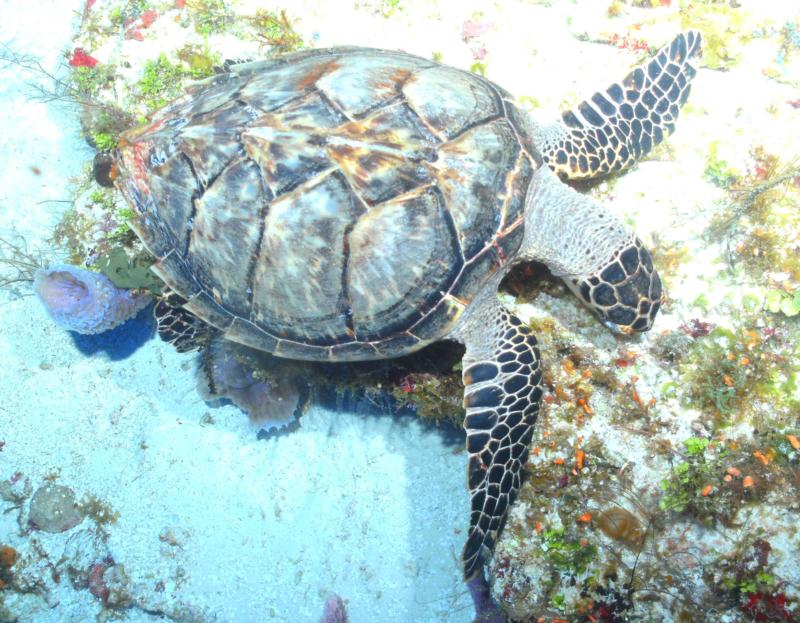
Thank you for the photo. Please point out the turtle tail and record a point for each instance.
(614, 128)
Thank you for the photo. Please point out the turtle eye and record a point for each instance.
(626, 292)
(104, 169)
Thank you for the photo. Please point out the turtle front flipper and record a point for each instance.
(502, 393)
(613, 129)
(596, 255)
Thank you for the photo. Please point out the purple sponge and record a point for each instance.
(486, 609)
(86, 302)
(334, 611)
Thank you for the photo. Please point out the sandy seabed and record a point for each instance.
(213, 524)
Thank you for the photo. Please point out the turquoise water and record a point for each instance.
(124, 494)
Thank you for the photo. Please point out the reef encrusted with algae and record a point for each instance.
(663, 481)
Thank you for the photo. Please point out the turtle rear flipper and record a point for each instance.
(614, 128)
(272, 397)
(179, 327)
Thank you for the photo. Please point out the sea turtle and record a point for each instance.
(352, 204)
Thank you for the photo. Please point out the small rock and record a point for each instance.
(96, 583)
(110, 584)
(117, 584)
(54, 509)
(82, 551)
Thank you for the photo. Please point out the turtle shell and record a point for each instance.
(339, 204)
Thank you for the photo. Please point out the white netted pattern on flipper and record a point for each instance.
(572, 234)
(547, 134)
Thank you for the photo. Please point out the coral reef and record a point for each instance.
(663, 479)
(86, 302)
(34, 567)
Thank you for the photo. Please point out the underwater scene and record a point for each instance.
(400, 311)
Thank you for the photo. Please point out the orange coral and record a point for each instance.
(8, 556)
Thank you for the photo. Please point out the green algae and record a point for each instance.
(571, 529)
(733, 371)
(716, 479)
(745, 580)
(95, 225)
(18, 263)
(102, 125)
(199, 60)
(130, 271)
(781, 302)
(717, 170)
(568, 551)
(104, 141)
(87, 81)
(390, 8)
(683, 489)
(210, 16)
(275, 29)
(723, 28)
(731, 374)
(478, 68)
(161, 82)
(581, 570)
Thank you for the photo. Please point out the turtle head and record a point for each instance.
(626, 292)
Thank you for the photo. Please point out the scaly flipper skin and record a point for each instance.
(596, 255)
(626, 293)
(612, 130)
(502, 392)
(176, 326)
